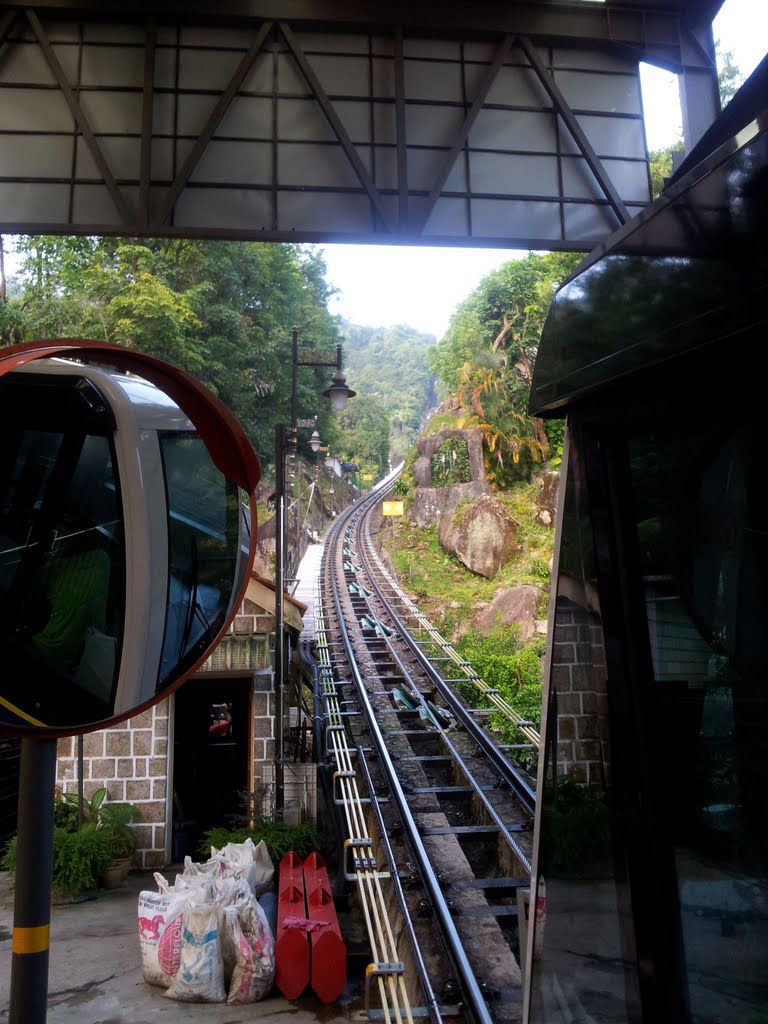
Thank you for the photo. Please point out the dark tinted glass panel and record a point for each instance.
(682, 275)
(702, 540)
(203, 548)
(581, 961)
(62, 587)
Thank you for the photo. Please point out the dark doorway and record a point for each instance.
(212, 729)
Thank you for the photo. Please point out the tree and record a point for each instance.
(223, 311)
(660, 163)
(365, 424)
(486, 359)
(489, 352)
(729, 76)
(390, 364)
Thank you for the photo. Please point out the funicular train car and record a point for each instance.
(122, 544)
(651, 864)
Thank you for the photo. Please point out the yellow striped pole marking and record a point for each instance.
(31, 940)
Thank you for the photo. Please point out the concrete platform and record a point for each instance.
(95, 974)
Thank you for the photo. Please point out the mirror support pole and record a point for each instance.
(34, 864)
(279, 613)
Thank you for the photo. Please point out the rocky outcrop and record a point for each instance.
(431, 504)
(482, 536)
(547, 488)
(428, 444)
(516, 606)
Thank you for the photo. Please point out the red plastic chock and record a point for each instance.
(291, 942)
(328, 953)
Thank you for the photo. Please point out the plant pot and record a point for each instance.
(113, 876)
(125, 864)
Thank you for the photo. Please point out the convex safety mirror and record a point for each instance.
(126, 532)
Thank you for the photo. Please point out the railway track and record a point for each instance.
(437, 814)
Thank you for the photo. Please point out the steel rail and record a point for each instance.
(511, 775)
(390, 982)
(504, 770)
(473, 997)
(502, 706)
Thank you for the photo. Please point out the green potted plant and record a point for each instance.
(91, 848)
(115, 820)
(80, 857)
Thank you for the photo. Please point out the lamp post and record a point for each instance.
(337, 393)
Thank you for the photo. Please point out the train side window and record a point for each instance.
(62, 584)
(203, 545)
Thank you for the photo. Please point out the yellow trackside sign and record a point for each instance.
(392, 508)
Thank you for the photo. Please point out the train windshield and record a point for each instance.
(62, 590)
(204, 549)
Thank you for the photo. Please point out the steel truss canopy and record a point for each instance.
(499, 124)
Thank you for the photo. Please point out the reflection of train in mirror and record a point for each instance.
(121, 543)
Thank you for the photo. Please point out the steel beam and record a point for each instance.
(123, 208)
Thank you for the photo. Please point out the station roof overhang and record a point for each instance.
(495, 123)
(262, 592)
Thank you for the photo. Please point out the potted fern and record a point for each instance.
(80, 857)
(115, 820)
(91, 849)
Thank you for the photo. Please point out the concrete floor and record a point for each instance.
(95, 974)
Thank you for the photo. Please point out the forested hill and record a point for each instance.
(390, 364)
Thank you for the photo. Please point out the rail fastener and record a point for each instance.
(379, 970)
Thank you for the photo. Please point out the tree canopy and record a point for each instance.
(222, 311)
(390, 364)
(486, 358)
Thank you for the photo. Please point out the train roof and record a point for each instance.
(149, 406)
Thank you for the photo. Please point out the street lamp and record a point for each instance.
(338, 393)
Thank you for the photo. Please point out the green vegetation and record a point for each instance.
(365, 427)
(278, 837)
(82, 852)
(390, 364)
(80, 858)
(222, 311)
(513, 668)
(486, 360)
(660, 164)
(451, 597)
(448, 593)
(450, 463)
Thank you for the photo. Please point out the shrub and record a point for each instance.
(80, 858)
(278, 837)
(575, 829)
(115, 821)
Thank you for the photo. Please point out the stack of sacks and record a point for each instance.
(206, 938)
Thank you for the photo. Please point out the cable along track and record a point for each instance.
(438, 819)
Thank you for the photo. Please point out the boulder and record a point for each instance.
(482, 537)
(432, 504)
(516, 606)
(422, 471)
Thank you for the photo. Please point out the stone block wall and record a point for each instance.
(579, 680)
(132, 760)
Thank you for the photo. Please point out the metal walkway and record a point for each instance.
(306, 587)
